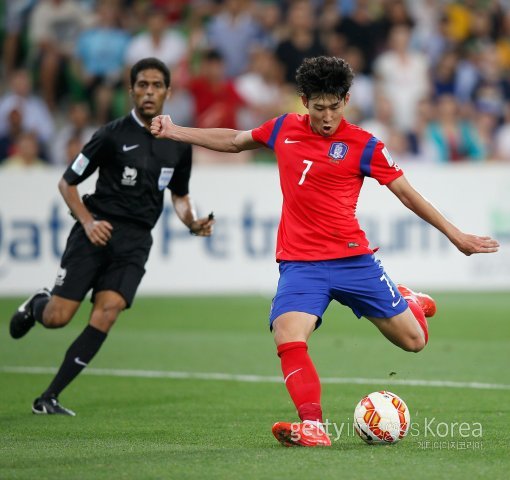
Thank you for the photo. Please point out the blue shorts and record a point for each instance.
(358, 282)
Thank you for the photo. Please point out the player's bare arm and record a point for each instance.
(97, 231)
(203, 227)
(218, 139)
(465, 242)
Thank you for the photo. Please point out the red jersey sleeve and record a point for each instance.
(381, 166)
(268, 132)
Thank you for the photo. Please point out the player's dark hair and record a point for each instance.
(320, 76)
(147, 64)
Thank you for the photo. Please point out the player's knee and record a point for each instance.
(55, 318)
(104, 315)
(413, 344)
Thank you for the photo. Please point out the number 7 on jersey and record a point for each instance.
(308, 164)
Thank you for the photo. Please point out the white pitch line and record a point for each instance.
(109, 372)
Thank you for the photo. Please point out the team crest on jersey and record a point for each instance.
(338, 150)
(164, 177)
(129, 176)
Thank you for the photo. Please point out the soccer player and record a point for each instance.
(110, 242)
(322, 252)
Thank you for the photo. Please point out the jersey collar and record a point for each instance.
(136, 119)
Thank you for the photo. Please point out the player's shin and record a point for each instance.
(420, 317)
(301, 380)
(78, 355)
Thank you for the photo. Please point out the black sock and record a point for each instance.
(78, 355)
(38, 306)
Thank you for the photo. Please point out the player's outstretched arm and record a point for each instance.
(465, 242)
(219, 139)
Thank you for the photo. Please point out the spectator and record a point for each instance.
(9, 139)
(399, 146)
(78, 128)
(362, 90)
(486, 123)
(16, 16)
(502, 139)
(268, 15)
(503, 41)
(492, 92)
(359, 29)
(402, 75)
(73, 148)
(261, 90)
(454, 139)
(444, 74)
(234, 33)
(420, 145)
(383, 121)
(26, 155)
(100, 56)
(35, 114)
(394, 13)
(159, 41)
(429, 34)
(54, 28)
(215, 97)
(302, 40)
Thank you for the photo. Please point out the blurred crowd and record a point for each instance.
(432, 76)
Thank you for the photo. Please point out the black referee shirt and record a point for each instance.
(134, 170)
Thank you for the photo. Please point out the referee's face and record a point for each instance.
(149, 93)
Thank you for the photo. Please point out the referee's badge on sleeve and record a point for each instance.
(80, 164)
(164, 177)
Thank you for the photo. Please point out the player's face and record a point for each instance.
(326, 113)
(149, 93)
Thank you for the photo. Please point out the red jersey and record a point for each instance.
(321, 178)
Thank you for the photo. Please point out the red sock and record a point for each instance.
(418, 314)
(301, 380)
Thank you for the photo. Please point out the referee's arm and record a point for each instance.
(97, 231)
(184, 209)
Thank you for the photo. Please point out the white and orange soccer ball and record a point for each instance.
(381, 418)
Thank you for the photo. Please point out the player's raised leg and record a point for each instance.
(23, 318)
(409, 329)
(425, 302)
(291, 332)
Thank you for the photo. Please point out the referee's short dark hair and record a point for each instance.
(149, 63)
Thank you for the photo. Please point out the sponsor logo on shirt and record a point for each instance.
(338, 150)
(80, 164)
(129, 177)
(164, 177)
(125, 148)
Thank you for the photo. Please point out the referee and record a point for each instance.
(109, 244)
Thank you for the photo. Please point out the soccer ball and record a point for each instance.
(381, 418)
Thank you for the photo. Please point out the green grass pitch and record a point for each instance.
(130, 427)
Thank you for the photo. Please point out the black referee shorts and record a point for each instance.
(118, 266)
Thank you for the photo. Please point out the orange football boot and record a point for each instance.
(306, 434)
(426, 302)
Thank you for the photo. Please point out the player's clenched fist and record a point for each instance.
(161, 126)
